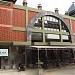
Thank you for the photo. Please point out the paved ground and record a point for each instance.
(15, 72)
(69, 70)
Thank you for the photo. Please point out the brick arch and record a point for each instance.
(41, 14)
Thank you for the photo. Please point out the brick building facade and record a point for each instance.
(14, 21)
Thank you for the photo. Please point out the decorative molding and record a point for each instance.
(19, 28)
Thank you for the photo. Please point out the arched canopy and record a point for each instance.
(42, 14)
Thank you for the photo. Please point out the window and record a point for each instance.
(53, 36)
(48, 18)
(65, 37)
(37, 37)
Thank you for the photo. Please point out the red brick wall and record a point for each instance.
(5, 34)
(10, 17)
(19, 18)
(19, 36)
(68, 21)
(73, 26)
(31, 14)
(5, 14)
(74, 39)
(5, 17)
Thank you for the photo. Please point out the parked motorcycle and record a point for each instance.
(21, 67)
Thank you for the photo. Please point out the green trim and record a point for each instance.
(19, 7)
(1, 2)
(37, 30)
(60, 31)
(43, 29)
(26, 17)
(56, 32)
(5, 43)
(69, 17)
(22, 43)
(41, 43)
(43, 23)
(64, 33)
(34, 9)
(43, 36)
(5, 3)
(29, 8)
(49, 31)
(61, 43)
(19, 28)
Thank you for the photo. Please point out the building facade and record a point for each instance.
(22, 27)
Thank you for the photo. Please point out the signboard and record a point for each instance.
(3, 52)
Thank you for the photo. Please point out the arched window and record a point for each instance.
(51, 23)
(48, 26)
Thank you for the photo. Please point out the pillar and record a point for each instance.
(25, 57)
(73, 55)
(10, 58)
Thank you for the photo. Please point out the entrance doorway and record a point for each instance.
(51, 57)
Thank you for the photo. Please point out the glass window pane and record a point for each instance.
(48, 18)
(53, 19)
(36, 21)
(65, 37)
(45, 22)
(56, 20)
(53, 36)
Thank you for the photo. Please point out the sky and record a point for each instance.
(49, 5)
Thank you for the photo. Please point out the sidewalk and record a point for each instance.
(68, 70)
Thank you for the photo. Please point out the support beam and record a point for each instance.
(25, 57)
(38, 54)
(10, 57)
(60, 30)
